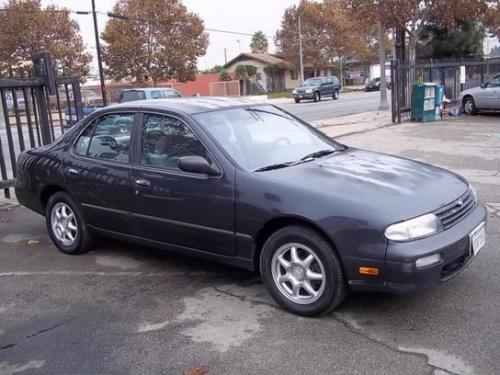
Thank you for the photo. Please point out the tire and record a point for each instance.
(297, 101)
(316, 97)
(66, 226)
(336, 94)
(330, 290)
(469, 106)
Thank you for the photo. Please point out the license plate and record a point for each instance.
(301, 96)
(477, 238)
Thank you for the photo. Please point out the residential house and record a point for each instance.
(273, 73)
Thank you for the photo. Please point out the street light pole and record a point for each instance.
(300, 51)
(99, 61)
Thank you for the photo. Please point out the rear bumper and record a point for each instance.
(401, 275)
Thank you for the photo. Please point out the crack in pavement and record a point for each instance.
(359, 331)
(356, 330)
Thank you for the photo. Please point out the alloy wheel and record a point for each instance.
(64, 224)
(298, 273)
(468, 106)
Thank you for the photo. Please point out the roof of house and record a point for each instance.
(266, 58)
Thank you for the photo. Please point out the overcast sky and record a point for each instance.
(234, 15)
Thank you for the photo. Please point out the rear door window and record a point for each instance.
(107, 138)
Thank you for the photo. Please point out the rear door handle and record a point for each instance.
(142, 182)
(73, 171)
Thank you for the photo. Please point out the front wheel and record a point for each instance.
(316, 97)
(297, 101)
(469, 106)
(336, 95)
(302, 271)
(65, 225)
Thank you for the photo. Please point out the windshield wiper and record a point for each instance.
(253, 109)
(275, 166)
(318, 154)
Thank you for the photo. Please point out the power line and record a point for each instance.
(119, 16)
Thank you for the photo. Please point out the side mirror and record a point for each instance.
(484, 85)
(195, 164)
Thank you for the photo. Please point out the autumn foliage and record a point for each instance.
(28, 28)
(152, 40)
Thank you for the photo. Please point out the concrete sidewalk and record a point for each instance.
(353, 124)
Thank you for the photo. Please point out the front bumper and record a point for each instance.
(306, 96)
(401, 273)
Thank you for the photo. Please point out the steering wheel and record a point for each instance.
(282, 140)
(109, 141)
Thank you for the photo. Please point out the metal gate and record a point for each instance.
(455, 76)
(35, 107)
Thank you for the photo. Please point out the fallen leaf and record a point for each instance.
(196, 371)
(33, 242)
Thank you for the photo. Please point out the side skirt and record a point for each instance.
(229, 260)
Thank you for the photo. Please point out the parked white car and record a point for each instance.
(484, 97)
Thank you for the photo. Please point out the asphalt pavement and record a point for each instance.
(348, 104)
(126, 309)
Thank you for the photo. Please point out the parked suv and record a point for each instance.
(317, 88)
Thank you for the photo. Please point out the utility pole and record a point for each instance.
(225, 56)
(99, 61)
(300, 51)
(383, 106)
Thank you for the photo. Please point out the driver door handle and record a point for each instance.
(143, 183)
(73, 171)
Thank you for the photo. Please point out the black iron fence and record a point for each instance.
(455, 76)
(35, 106)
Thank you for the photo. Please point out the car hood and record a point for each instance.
(391, 187)
(308, 87)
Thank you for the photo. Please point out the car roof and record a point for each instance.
(148, 89)
(189, 105)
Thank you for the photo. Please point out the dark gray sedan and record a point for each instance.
(252, 186)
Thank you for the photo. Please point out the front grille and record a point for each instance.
(456, 210)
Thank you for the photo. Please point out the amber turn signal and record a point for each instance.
(370, 271)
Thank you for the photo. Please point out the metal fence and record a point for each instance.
(225, 88)
(34, 108)
(455, 76)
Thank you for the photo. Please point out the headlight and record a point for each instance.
(413, 229)
(474, 194)
(308, 91)
(294, 91)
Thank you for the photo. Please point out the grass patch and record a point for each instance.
(281, 94)
(347, 89)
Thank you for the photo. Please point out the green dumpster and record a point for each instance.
(423, 102)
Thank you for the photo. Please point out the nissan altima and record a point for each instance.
(252, 186)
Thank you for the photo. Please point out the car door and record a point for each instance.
(324, 87)
(185, 209)
(97, 171)
(493, 93)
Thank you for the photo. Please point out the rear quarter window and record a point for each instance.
(131, 95)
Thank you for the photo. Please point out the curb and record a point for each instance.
(360, 131)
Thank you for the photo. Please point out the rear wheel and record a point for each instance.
(469, 106)
(65, 225)
(316, 96)
(302, 271)
(336, 94)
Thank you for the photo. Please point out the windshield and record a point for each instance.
(131, 95)
(262, 136)
(312, 82)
